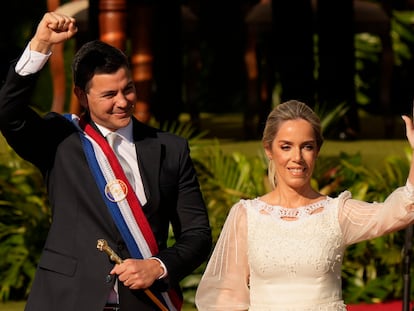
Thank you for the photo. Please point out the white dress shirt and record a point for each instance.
(128, 152)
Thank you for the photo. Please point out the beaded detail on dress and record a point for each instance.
(284, 212)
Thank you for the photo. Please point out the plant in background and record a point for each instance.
(224, 179)
(24, 221)
(330, 117)
(227, 178)
(403, 36)
(371, 270)
(368, 49)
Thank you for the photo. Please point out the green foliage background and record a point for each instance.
(372, 270)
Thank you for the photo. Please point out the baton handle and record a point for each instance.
(103, 246)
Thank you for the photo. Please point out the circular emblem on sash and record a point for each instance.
(116, 190)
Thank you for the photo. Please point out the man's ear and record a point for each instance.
(81, 96)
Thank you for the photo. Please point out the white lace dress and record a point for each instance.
(263, 262)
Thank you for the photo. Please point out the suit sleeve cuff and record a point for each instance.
(165, 273)
(31, 62)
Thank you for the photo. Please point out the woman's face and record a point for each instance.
(294, 152)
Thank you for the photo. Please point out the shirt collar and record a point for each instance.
(124, 132)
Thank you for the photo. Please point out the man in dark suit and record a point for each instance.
(89, 192)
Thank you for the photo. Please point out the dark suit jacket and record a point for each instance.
(72, 274)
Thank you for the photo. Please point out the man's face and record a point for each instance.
(110, 99)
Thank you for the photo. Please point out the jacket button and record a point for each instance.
(121, 246)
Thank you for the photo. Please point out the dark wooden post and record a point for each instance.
(293, 49)
(336, 51)
(112, 22)
(141, 29)
(57, 69)
(260, 69)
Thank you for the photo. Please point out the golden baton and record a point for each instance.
(103, 246)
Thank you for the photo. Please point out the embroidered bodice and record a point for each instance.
(294, 261)
(281, 212)
(279, 259)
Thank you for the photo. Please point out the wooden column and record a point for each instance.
(57, 69)
(141, 29)
(112, 22)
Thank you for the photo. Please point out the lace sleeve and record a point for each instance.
(361, 220)
(224, 285)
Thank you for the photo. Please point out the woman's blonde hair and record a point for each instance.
(290, 110)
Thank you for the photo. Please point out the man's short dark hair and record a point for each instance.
(96, 57)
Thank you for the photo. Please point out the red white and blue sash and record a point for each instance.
(121, 201)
